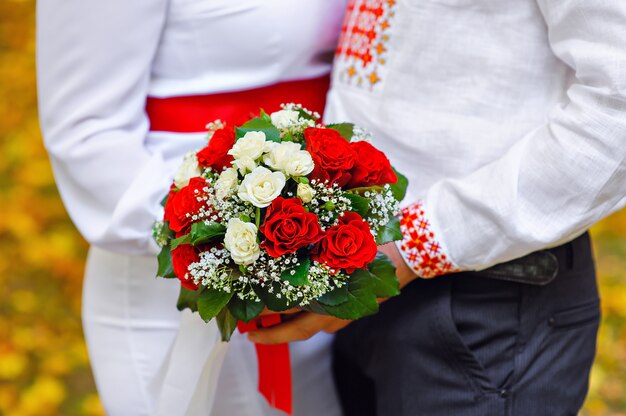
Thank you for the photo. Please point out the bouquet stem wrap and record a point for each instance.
(274, 365)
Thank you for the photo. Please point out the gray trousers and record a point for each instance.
(467, 345)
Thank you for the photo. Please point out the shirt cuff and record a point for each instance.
(420, 247)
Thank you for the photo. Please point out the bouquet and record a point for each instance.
(281, 212)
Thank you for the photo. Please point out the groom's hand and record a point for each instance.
(306, 324)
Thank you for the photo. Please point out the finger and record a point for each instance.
(300, 328)
(267, 311)
(290, 316)
(336, 325)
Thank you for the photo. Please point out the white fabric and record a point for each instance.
(97, 63)
(148, 359)
(508, 117)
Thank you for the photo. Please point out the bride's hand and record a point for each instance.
(302, 326)
(299, 328)
(291, 311)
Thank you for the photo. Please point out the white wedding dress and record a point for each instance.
(97, 63)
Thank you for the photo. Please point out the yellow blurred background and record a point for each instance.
(44, 369)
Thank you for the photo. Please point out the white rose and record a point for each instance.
(261, 186)
(289, 158)
(241, 241)
(284, 119)
(189, 169)
(279, 155)
(244, 165)
(300, 164)
(305, 192)
(227, 183)
(251, 146)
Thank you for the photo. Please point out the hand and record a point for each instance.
(306, 324)
(291, 311)
(299, 328)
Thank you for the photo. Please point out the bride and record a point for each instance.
(125, 90)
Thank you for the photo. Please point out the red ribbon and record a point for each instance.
(274, 365)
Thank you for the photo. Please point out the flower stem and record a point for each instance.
(257, 217)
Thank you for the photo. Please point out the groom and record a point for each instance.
(509, 119)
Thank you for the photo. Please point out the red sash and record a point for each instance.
(191, 114)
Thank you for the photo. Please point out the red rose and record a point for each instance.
(215, 154)
(371, 167)
(348, 245)
(182, 257)
(331, 153)
(288, 227)
(184, 203)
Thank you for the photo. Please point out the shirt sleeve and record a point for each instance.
(93, 64)
(555, 182)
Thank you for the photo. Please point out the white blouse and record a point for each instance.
(508, 117)
(99, 60)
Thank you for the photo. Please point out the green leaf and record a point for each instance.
(186, 239)
(164, 200)
(346, 130)
(165, 268)
(316, 307)
(389, 232)
(259, 124)
(163, 231)
(226, 323)
(265, 117)
(288, 137)
(202, 232)
(361, 300)
(335, 297)
(211, 301)
(359, 297)
(303, 114)
(168, 231)
(399, 188)
(384, 275)
(188, 299)
(245, 309)
(300, 275)
(359, 203)
(271, 301)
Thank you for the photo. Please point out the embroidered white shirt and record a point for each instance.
(508, 117)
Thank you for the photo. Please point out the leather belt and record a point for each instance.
(540, 267)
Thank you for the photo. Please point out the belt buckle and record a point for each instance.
(538, 268)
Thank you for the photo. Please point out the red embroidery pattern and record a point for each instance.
(363, 41)
(420, 249)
